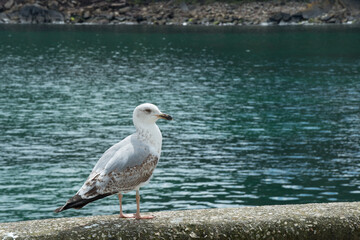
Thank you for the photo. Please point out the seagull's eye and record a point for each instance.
(148, 110)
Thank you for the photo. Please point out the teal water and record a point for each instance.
(261, 115)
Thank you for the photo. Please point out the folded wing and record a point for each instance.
(122, 168)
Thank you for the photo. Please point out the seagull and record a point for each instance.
(127, 165)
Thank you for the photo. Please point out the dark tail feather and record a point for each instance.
(77, 202)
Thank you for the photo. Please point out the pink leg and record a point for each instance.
(137, 214)
(122, 215)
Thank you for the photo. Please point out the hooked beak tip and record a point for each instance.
(165, 116)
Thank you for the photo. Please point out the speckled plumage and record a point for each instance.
(123, 180)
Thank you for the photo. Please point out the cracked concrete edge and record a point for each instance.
(306, 221)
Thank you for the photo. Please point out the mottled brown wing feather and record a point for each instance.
(123, 181)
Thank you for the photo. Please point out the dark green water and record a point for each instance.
(262, 115)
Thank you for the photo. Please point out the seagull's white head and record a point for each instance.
(148, 113)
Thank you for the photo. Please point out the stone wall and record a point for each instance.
(309, 221)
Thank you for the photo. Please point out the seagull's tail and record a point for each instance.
(78, 202)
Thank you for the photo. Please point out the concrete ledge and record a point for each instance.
(309, 221)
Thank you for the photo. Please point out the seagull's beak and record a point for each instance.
(164, 116)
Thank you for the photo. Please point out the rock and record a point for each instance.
(32, 14)
(327, 17)
(312, 12)
(103, 21)
(79, 12)
(53, 5)
(97, 11)
(277, 17)
(162, 22)
(286, 17)
(9, 4)
(118, 5)
(121, 19)
(159, 17)
(297, 17)
(55, 16)
(170, 15)
(184, 7)
(332, 20)
(86, 15)
(4, 18)
(102, 5)
(109, 16)
(139, 18)
(124, 10)
(37, 14)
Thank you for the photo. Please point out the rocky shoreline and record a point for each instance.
(175, 13)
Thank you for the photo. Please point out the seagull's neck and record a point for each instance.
(150, 134)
